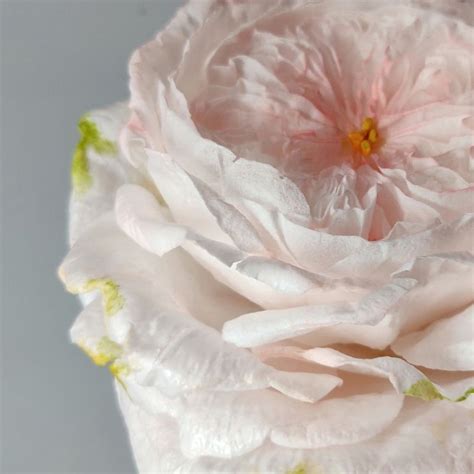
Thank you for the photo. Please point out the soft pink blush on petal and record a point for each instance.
(288, 93)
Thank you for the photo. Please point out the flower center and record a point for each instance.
(364, 141)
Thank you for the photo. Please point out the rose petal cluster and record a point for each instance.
(270, 295)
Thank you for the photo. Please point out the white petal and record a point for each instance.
(425, 437)
(401, 374)
(264, 327)
(262, 280)
(435, 295)
(231, 221)
(230, 424)
(341, 421)
(165, 345)
(445, 345)
(154, 438)
(349, 255)
(141, 217)
(184, 200)
(104, 170)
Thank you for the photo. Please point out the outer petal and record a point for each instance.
(424, 438)
(366, 322)
(341, 421)
(99, 167)
(436, 296)
(415, 297)
(349, 255)
(266, 281)
(445, 345)
(154, 438)
(143, 218)
(405, 378)
(163, 344)
(226, 424)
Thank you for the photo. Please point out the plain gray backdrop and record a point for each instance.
(59, 59)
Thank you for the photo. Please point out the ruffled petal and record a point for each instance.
(446, 344)
(263, 280)
(367, 322)
(163, 345)
(341, 421)
(99, 168)
(405, 378)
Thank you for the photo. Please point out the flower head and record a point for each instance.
(276, 245)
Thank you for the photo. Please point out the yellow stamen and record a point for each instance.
(367, 124)
(365, 148)
(363, 141)
(373, 135)
(356, 139)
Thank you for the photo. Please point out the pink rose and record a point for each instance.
(273, 239)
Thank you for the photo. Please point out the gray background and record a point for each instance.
(59, 59)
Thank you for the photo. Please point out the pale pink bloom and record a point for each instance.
(282, 239)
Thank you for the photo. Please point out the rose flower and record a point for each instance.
(272, 239)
